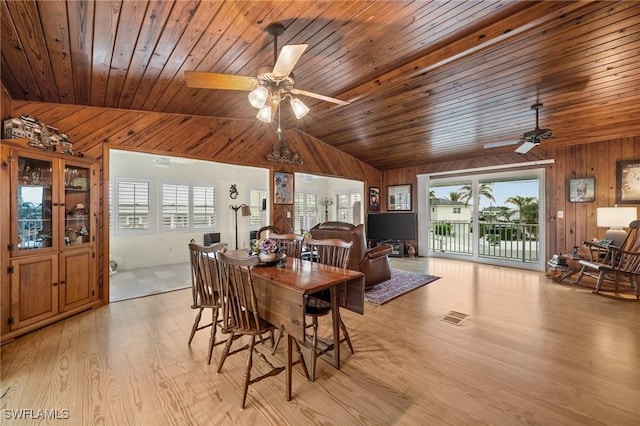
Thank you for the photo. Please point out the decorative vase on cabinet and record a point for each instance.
(49, 226)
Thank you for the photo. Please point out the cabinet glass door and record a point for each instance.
(77, 203)
(34, 203)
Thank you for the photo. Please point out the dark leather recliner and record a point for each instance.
(373, 263)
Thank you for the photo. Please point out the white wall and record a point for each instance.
(158, 247)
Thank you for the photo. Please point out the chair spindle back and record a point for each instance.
(291, 244)
(240, 307)
(205, 274)
(332, 252)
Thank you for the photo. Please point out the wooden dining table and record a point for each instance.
(282, 290)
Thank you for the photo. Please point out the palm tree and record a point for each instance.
(484, 190)
(506, 213)
(530, 211)
(521, 202)
(527, 209)
(454, 196)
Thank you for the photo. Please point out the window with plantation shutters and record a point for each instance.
(175, 206)
(255, 203)
(204, 207)
(349, 207)
(306, 213)
(134, 205)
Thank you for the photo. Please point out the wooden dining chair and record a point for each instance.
(291, 244)
(265, 231)
(205, 288)
(241, 315)
(332, 252)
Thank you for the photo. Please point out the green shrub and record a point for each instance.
(504, 232)
(442, 229)
(493, 239)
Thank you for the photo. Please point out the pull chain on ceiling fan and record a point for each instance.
(270, 87)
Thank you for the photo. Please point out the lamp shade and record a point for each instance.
(258, 97)
(299, 108)
(616, 217)
(246, 211)
(265, 114)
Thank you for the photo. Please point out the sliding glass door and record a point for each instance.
(451, 216)
(489, 218)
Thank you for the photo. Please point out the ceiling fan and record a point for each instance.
(271, 85)
(532, 138)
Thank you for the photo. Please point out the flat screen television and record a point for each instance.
(392, 226)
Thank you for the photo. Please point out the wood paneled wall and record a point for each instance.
(570, 162)
(93, 129)
(245, 142)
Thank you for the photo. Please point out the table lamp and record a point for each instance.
(615, 218)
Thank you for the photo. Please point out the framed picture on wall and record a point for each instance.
(628, 182)
(582, 190)
(282, 188)
(399, 197)
(374, 198)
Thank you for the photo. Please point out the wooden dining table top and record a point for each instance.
(301, 275)
(305, 276)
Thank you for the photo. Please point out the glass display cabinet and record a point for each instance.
(49, 229)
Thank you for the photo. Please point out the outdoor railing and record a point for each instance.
(513, 241)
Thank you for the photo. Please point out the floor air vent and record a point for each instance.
(454, 317)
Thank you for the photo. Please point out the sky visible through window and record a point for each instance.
(501, 191)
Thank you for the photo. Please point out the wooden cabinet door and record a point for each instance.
(77, 285)
(34, 289)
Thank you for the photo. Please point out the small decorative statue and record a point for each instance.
(233, 191)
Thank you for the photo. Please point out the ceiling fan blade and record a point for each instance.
(210, 80)
(321, 97)
(500, 143)
(287, 59)
(525, 147)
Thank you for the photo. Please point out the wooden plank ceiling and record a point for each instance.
(427, 81)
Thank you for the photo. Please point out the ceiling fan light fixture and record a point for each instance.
(264, 114)
(299, 108)
(259, 96)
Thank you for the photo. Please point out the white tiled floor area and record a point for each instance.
(146, 281)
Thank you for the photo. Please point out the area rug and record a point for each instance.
(401, 282)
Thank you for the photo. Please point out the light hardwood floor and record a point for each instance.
(532, 351)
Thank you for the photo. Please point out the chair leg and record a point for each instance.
(195, 325)
(214, 328)
(599, 281)
(225, 352)
(275, 345)
(580, 274)
(346, 336)
(301, 358)
(247, 373)
(314, 350)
